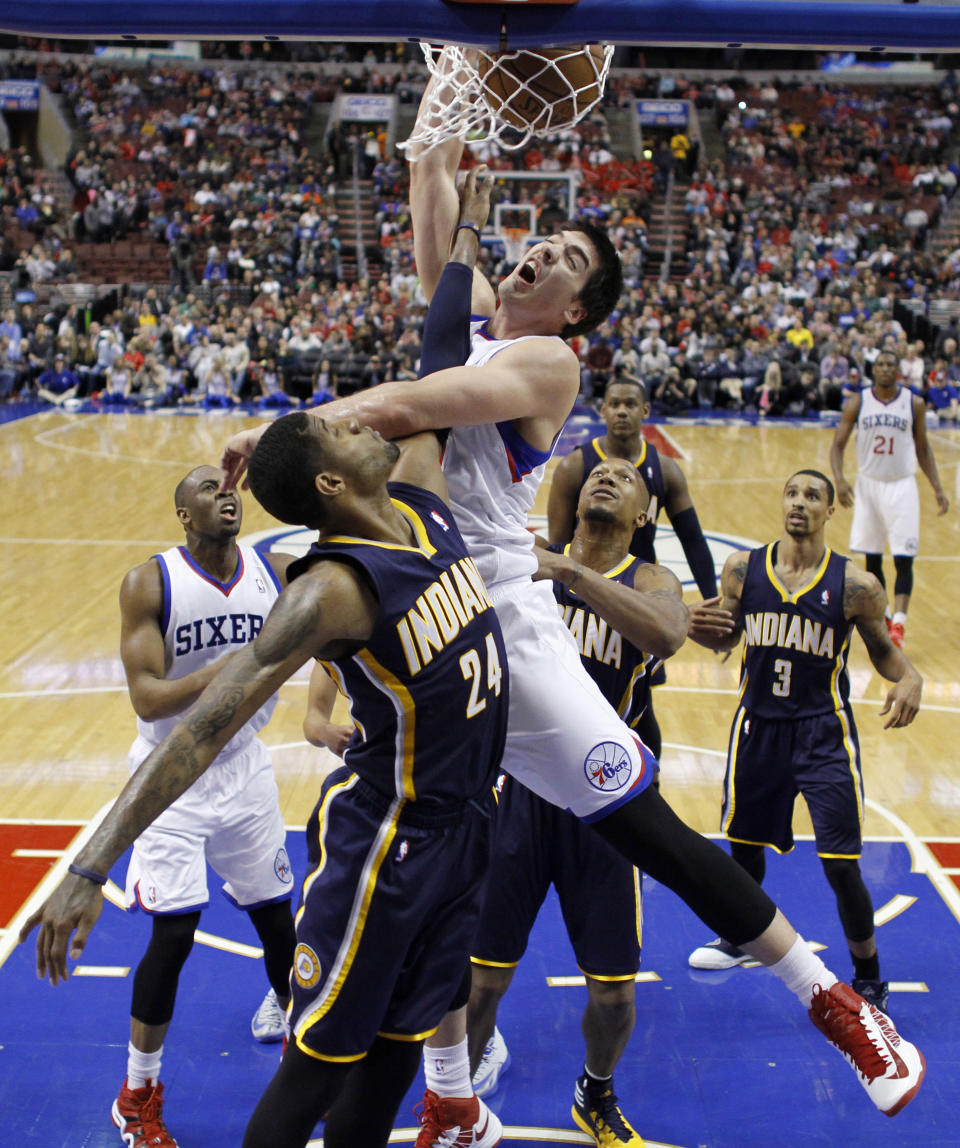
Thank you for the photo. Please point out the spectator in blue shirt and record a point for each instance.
(59, 383)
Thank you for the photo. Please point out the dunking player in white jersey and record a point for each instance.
(564, 740)
(183, 612)
(493, 475)
(891, 443)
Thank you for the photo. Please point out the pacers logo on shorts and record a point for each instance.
(306, 966)
(608, 766)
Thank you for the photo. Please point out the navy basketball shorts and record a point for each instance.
(536, 844)
(390, 908)
(770, 762)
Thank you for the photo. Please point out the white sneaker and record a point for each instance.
(890, 1068)
(717, 954)
(495, 1060)
(269, 1024)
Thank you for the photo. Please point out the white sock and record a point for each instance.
(447, 1070)
(142, 1066)
(899, 618)
(800, 970)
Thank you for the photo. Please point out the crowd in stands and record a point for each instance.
(804, 242)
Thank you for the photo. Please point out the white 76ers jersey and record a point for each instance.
(204, 619)
(885, 447)
(493, 477)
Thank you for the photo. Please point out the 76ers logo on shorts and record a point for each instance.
(608, 766)
(281, 866)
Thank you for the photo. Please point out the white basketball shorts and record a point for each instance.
(564, 739)
(885, 511)
(230, 817)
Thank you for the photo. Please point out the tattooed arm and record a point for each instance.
(717, 622)
(651, 614)
(325, 613)
(864, 602)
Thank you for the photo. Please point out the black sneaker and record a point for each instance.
(597, 1111)
(876, 993)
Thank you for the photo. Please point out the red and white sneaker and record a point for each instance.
(896, 632)
(138, 1113)
(456, 1122)
(890, 1068)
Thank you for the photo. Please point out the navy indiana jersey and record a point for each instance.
(649, 469)
(428, 691)
(620, 669)
(795, 645)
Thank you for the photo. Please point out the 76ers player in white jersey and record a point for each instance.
(507, 406)
(891, 442)
(183, 612)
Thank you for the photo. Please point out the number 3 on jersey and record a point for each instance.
(781, 685)
(473, 672)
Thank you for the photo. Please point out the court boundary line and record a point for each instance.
(9, 941)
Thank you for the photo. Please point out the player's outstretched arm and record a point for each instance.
(864, 603)
(321, 608)
(717, 623)
(651, 614)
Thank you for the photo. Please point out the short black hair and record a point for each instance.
(818, 474)
(283, 468)
(629, 381)
(602, 290)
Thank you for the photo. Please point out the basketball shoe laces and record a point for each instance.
(433, 1132)
(150, 1118)
(843, 1026)
(610, 1120)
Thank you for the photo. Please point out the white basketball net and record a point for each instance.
(461, 105)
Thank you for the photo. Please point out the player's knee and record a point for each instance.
(274, 925)
(843, 874)
(155, 981)
(904, 579)
(874, 565)
(611, 994)
(172, 939)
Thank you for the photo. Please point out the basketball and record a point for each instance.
(545, 90)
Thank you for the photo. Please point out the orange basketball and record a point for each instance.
(546, 90)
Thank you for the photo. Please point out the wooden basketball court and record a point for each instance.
(88, 496)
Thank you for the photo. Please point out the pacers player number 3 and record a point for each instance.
(473, 672)
(781, 683)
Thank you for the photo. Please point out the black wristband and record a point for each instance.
(79, 871)
(470, 227)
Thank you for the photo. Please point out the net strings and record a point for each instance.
(461, 105)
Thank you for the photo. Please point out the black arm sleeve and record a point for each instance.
(446, 332)
(686, 525)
